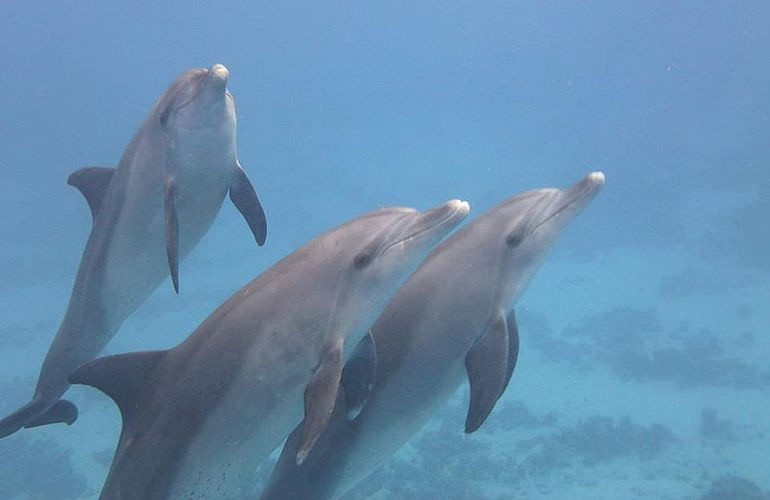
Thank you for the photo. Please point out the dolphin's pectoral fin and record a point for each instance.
(287, 461)
(309, 479)
(358, 375)
(301, 476)
(172, 231)
(487, 367)
(92, 182)
(122, 377)
(513, 346)
(245, 199)
(62, 411)
(320, 395)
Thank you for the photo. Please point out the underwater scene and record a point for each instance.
(385, 250)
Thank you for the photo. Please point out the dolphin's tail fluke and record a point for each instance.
(38, 412)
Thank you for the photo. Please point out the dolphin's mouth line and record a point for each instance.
(187, 102)
(582, 194)
(418, 233)
(555, 214)
(195, 95)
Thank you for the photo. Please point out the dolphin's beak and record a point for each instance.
(585, 190)
(451, 212)
(570, 201)
(219, 71)
(439, 220)
(217, 77)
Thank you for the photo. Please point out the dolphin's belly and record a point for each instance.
(427, 375)
(124, 262)
(390, 422)
(250, 421)
(135, 260)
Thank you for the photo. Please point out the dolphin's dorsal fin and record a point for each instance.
(320, 396)
(245, 199)
(358, 375)
(92, 182)
(488, 373)
(122, 377)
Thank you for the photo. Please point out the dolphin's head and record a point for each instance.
(198, 99)
(382, 248)
(527, 225)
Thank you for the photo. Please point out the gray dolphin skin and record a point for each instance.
(148, 213)
(200, 417)
(452, 320)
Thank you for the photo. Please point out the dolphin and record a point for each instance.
(148, 213)
(200, 417)
(451, 320)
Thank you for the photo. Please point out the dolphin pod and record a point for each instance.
(453, 319)
(347, 345)
(148, 213)
(199, 418)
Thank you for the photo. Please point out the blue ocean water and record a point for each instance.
(645, 360)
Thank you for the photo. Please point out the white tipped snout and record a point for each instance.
(434, 223)
(219, 71)
(596, 178)
(459, 207)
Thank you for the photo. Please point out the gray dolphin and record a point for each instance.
(199, 418)
(453, 318)
(148, 213)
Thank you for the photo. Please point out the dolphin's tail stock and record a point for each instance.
(39, 412)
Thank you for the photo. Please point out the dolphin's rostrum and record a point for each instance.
(148, 213)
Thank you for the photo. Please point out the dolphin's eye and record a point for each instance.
(367, 254)
(362, 260)
(515, 238)
(164, 116)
